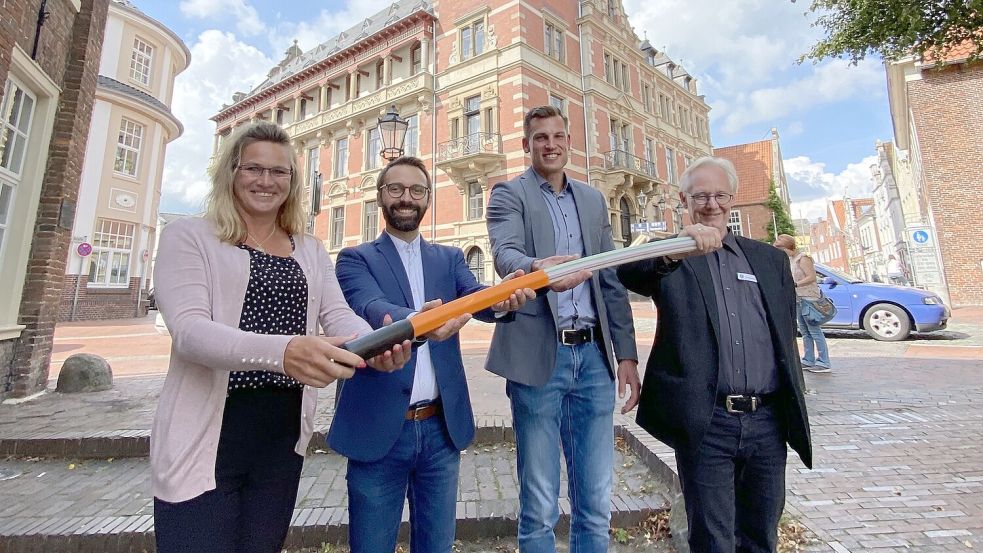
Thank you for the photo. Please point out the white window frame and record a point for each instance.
(476, 201)
(340, 168)
(14, 141)
(373, 148)
(473, 46)
(141, 62)
(477, 269)
(734, 222)
(412, 142)
(112, 241)
(558, 102)
(337, 234)
(128, 144)
(554, 41)
(370, 220)
(670, 165)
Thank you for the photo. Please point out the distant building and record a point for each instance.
(938, 132)
(803, 236)
(759, 168)
(828, 239)
(48, 74)
(636, 117)
(854, 210)
(131, 126)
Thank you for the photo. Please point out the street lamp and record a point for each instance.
(642, 197)
(662, 208)
(392, 131)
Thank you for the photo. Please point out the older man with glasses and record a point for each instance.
(723, 385)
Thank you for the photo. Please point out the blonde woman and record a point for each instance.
(243, 291)
(806, 287)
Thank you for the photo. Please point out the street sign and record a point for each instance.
(84, 249)
(656, 226)
(920, 238)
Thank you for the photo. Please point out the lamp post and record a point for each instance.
(642, 198)
(315, 200)
(392, 132)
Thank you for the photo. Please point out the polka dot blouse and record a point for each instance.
(275, 303)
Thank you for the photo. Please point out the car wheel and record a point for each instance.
(887, 323)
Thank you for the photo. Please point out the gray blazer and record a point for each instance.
(521, 231)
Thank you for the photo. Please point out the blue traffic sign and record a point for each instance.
(920, 236)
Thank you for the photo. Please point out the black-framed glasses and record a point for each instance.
(256, 171)
(722, 198)
(417, 191)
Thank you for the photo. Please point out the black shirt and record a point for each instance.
(747, 355)
(275, 303)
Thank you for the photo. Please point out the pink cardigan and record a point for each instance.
(200, 283)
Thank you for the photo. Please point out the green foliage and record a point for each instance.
(620, 535)
(894, 29)
(785, 225)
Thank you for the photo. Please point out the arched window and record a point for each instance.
(476, 263)
(625, 213)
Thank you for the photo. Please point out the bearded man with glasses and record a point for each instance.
(723, 385)
(403, 434)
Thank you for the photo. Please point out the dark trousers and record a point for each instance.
(256, 474)
(734, 484)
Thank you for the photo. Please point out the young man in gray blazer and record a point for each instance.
(557, 353)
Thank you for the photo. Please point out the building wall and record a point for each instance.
(947, 110)
(68, 57)
(512, 74)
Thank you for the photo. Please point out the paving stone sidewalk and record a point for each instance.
(106, 504)
(898, 438)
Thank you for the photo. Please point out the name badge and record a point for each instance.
(747, 276)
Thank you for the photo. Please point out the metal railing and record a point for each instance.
(620, 159)
(475, 143)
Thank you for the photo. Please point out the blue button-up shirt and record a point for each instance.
(575, 307)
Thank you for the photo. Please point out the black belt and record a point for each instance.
(578, 336)
(745, 403)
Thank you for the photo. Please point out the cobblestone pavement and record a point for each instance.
(897, 428)
(76, 493)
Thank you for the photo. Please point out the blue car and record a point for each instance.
(884, 311)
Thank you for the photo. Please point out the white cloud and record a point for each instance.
(220, 65)
(831, 82)
(811, 185)
(327, 24)
(744, 54)
(247, 19)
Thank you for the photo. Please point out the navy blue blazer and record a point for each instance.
(373, 404)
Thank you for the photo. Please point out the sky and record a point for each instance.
(743, 53)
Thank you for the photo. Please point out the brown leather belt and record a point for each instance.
(424, 411)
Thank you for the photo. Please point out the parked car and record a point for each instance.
(884, 311)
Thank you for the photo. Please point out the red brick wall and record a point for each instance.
(100, 303)
(948, 111)
(69, 52)
(760, 217)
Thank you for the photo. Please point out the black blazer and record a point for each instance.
(680, 384)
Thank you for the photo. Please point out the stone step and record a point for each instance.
(105, 505)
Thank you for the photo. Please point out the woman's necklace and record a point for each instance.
(259, 243)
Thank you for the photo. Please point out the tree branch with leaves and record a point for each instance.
(895, 29)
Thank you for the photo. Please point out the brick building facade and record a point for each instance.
(464, 73)
(938, 124)
(46, 100)
(759, 168)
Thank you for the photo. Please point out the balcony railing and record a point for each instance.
(472, 144)
(620, 159)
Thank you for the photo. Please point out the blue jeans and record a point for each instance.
(423, 466)
(812, 340)
(574, 408)
(734, 484)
